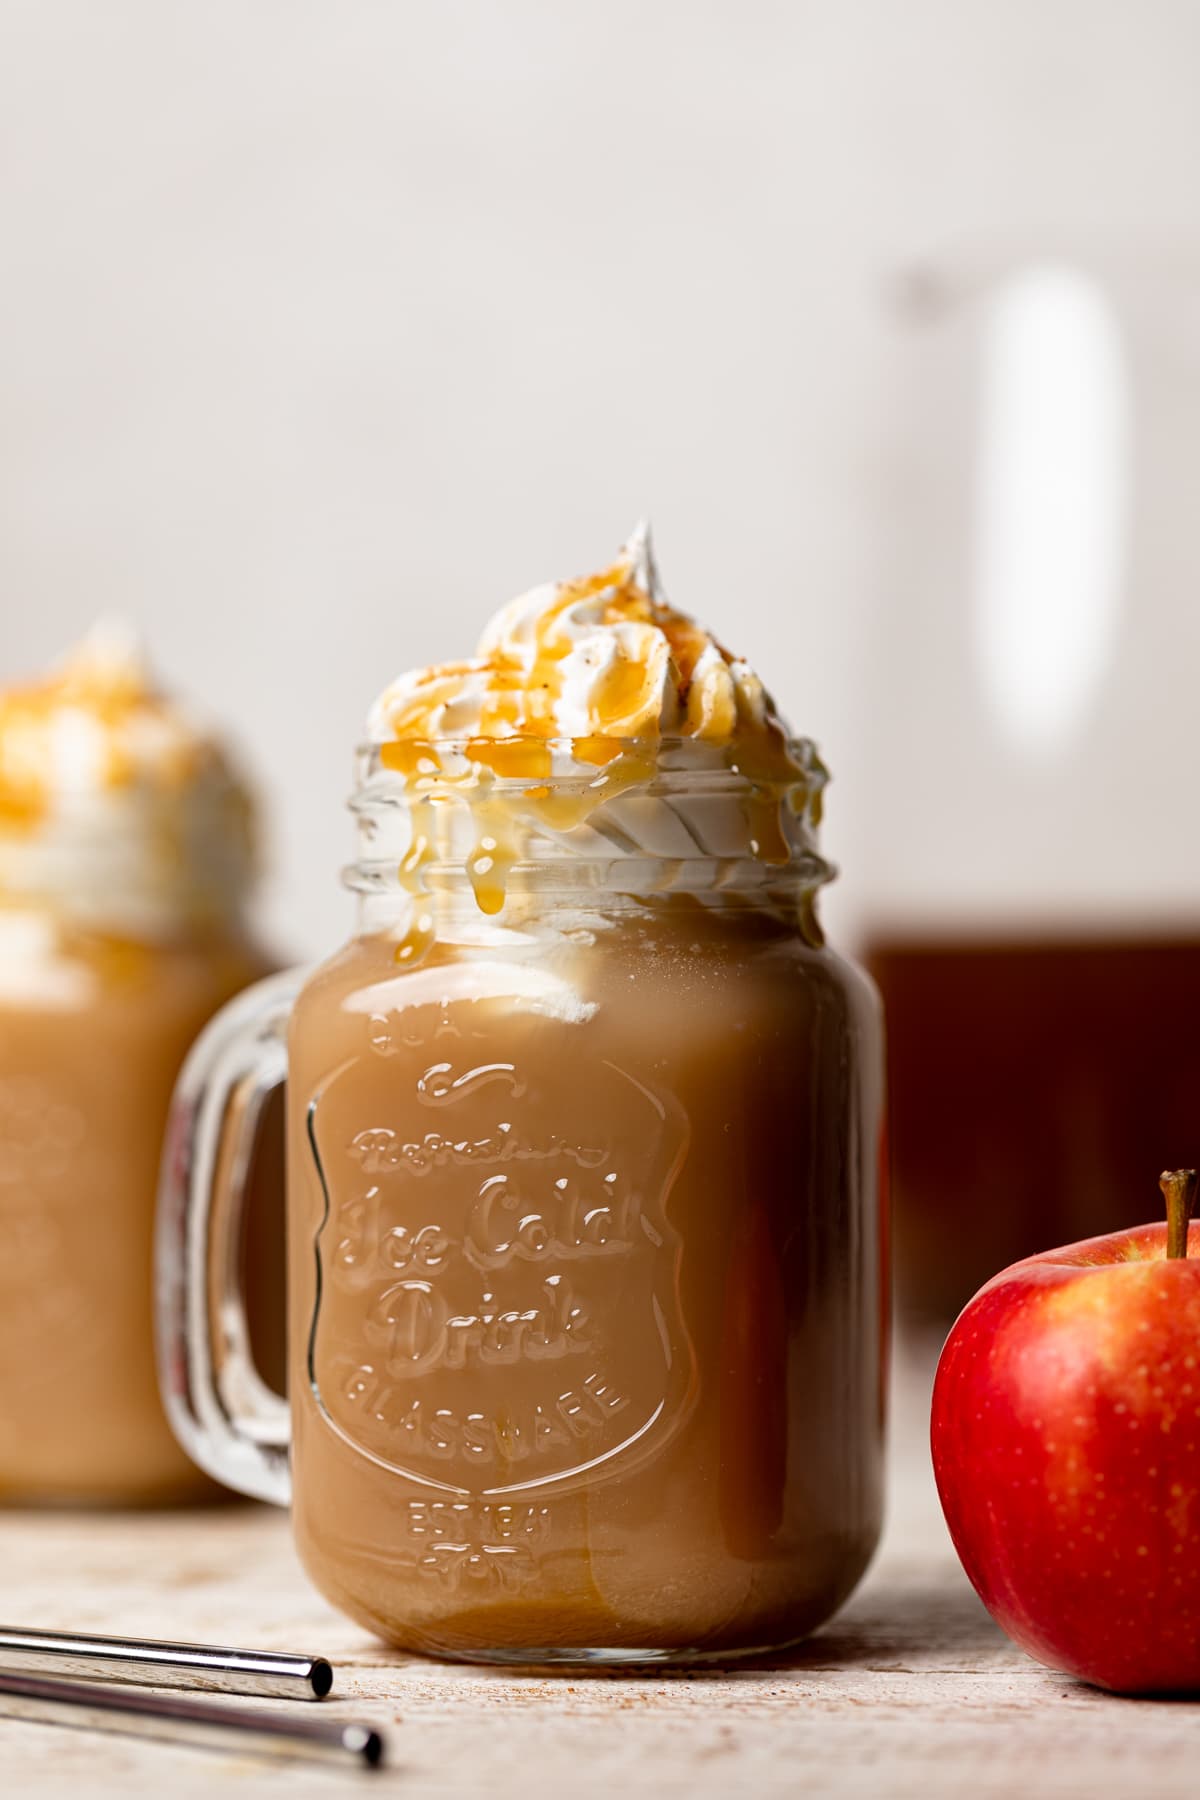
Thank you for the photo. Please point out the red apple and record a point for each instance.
(1066, 1446)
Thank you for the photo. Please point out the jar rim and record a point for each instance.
(677, 811)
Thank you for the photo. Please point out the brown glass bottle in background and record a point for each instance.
(1036, 1088)
(1030, 887)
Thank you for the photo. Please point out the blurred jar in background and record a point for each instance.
(1035, 878)
(126, 859)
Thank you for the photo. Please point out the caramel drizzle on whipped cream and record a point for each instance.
(599, 662)
(597, 671)
(115, 805)
(94, 724)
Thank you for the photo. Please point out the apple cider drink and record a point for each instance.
(125, 860)
(586, 1281)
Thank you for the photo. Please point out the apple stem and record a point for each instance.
(1179, 1191)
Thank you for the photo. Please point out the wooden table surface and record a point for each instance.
(910, 1691)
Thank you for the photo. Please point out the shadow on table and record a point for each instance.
(939, 1627)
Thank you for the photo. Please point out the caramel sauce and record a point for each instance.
(404, 756)
(419, 938)
(598, 751)
(516, 759)
(493, 856)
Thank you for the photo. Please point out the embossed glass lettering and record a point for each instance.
(426, 1316)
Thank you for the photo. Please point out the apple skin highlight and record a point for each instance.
(1066, 1448)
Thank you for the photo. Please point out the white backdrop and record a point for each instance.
(325, 325)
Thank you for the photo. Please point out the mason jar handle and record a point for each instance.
(220, 1408)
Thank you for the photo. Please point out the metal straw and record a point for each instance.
(270, 1674)
(210, 1725)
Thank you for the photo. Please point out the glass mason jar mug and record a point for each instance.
(586, 1292)
(127, 856)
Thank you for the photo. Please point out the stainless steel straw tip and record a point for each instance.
(216, 1668)
(365, 1743)
(208, 1724)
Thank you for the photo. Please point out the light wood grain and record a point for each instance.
(911, 1691)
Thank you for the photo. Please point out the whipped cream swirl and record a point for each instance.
(115, 805)
(599, 727)
(604, 656)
